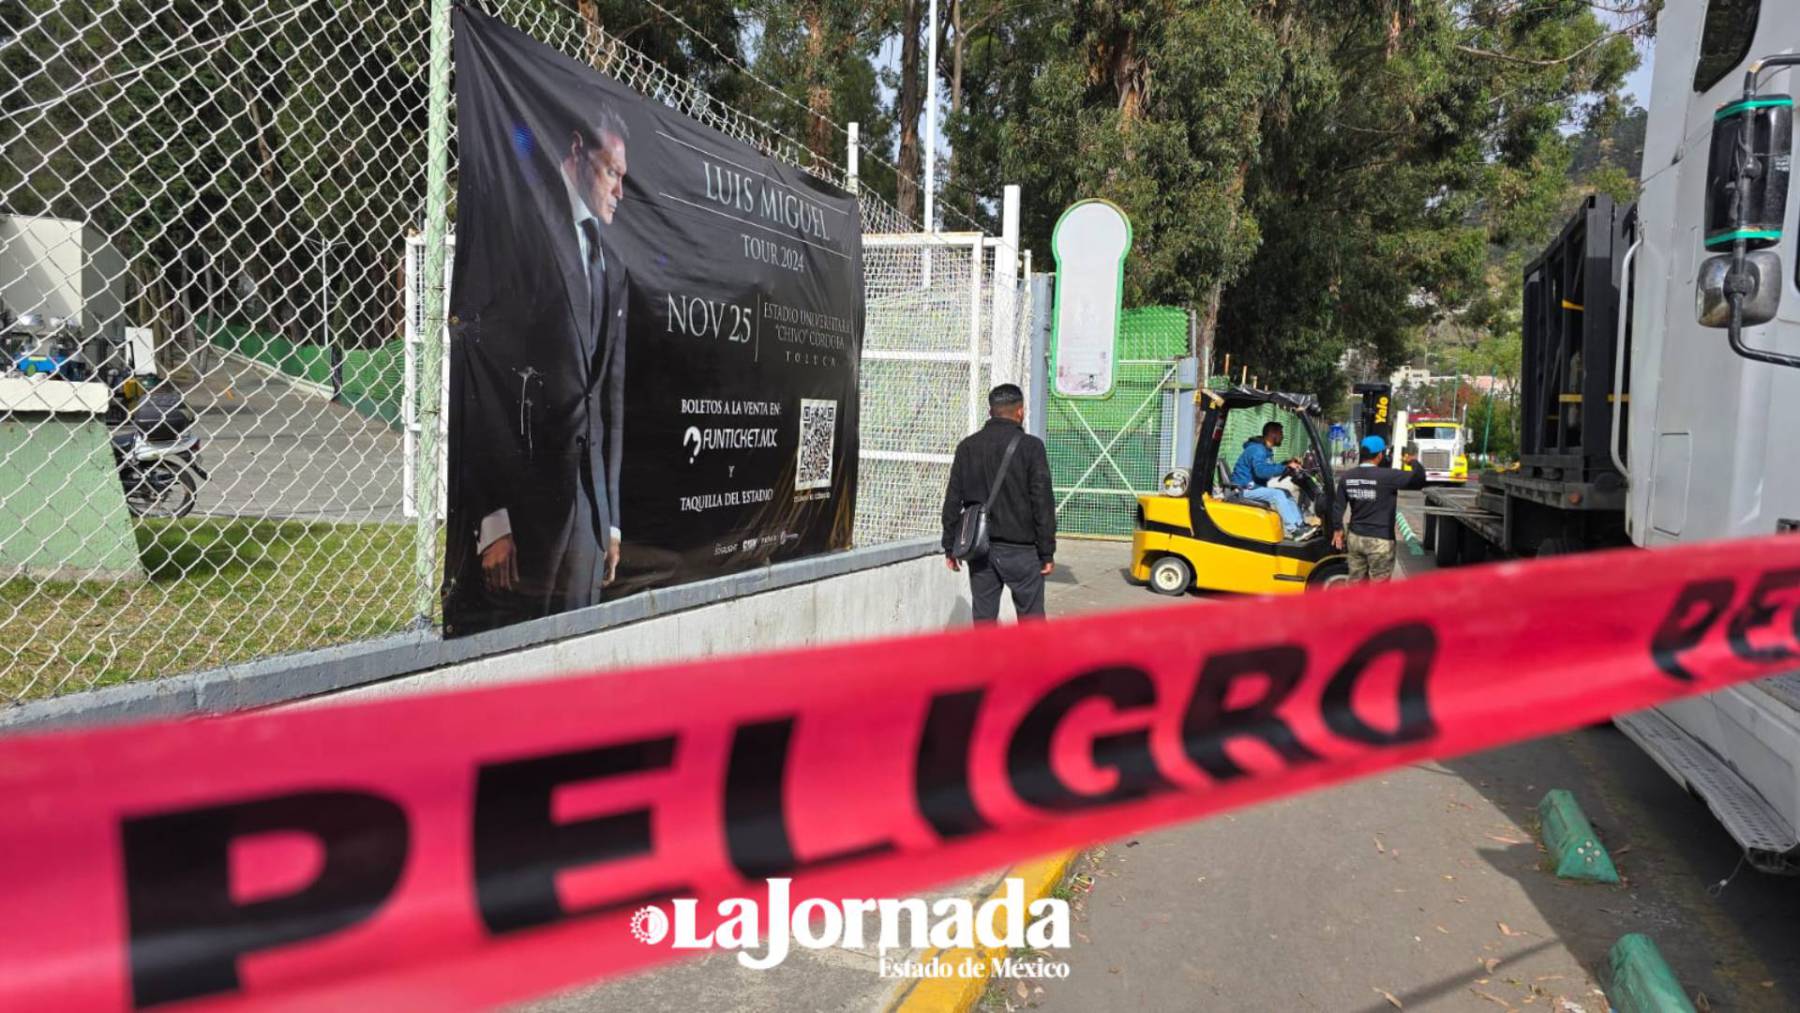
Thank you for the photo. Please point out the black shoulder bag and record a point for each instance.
(972, 529)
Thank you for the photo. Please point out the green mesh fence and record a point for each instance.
(1245, 424)
(1104, 453)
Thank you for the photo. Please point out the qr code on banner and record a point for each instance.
(818, 434)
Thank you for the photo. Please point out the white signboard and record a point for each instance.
(1090, 243)
(140, 350)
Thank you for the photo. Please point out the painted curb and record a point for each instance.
(1642, 981)
(960, 994)
(1571, 840)
(1407, 536)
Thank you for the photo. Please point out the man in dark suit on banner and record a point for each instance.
(538, 403)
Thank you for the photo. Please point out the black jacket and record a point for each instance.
(1024, 512)
(1372, 494)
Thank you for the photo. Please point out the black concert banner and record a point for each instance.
(655, 334)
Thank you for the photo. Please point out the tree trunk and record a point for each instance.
(911, 102)
(818, 83)
(956, 57)
(591, 36)
(956, 72)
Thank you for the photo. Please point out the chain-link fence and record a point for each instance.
(216, 198)
(940, 335)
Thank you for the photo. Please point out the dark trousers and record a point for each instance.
(1018, 568)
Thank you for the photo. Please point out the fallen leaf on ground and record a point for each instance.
(1490, 963)
(1378, 846)
(1440, 928)
(1389, 996)
(1508, 930)
(1503, 840)
(1024, 993)
(1490, 997)
(1549, 977)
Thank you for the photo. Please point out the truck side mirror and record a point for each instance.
(1761, 279)
(1761, 169)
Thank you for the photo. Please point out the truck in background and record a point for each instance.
(1660, 385)
(1442, 448)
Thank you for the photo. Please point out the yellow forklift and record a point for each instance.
(1199, 533)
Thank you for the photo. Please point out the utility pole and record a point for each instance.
(931, 104)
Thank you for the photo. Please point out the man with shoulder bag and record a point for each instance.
(999, 514)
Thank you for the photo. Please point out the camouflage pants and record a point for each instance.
(1370, 558)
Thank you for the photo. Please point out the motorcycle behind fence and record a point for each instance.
(154, 446)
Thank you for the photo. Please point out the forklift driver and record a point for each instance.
(1256, 466)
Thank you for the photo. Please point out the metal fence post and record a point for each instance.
(429, 397)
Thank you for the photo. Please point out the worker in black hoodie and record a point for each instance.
(1372, 494)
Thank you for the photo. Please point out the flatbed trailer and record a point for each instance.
(1568, 493)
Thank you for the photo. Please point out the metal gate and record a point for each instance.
(947, 318)
(1105, 453)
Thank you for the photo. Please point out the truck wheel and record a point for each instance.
(1447, 547)
(1171, 575)
(1428, 539)
(1556, 545)
(1471, 549)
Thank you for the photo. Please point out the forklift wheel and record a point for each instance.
(1171, 575)
(1326, 576)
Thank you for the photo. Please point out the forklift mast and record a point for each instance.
(1375, 411)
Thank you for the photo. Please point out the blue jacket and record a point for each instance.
(1255, 466)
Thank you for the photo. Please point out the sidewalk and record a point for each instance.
(1422, 889)
(1089, 577)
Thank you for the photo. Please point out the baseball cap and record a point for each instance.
(1373, 444)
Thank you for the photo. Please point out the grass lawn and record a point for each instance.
(220, 590)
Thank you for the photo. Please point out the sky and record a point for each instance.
(1638, 83)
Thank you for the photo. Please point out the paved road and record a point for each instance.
(1089, 577)
(275, 450)
(1407, 885)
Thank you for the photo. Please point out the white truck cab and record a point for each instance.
(1441, 447)
(1714, 403)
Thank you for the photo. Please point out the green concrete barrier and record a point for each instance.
(1571, 840)
(1642, 981)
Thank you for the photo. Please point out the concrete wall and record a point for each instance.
(62, 507)
(883, 590)
(915, 596)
